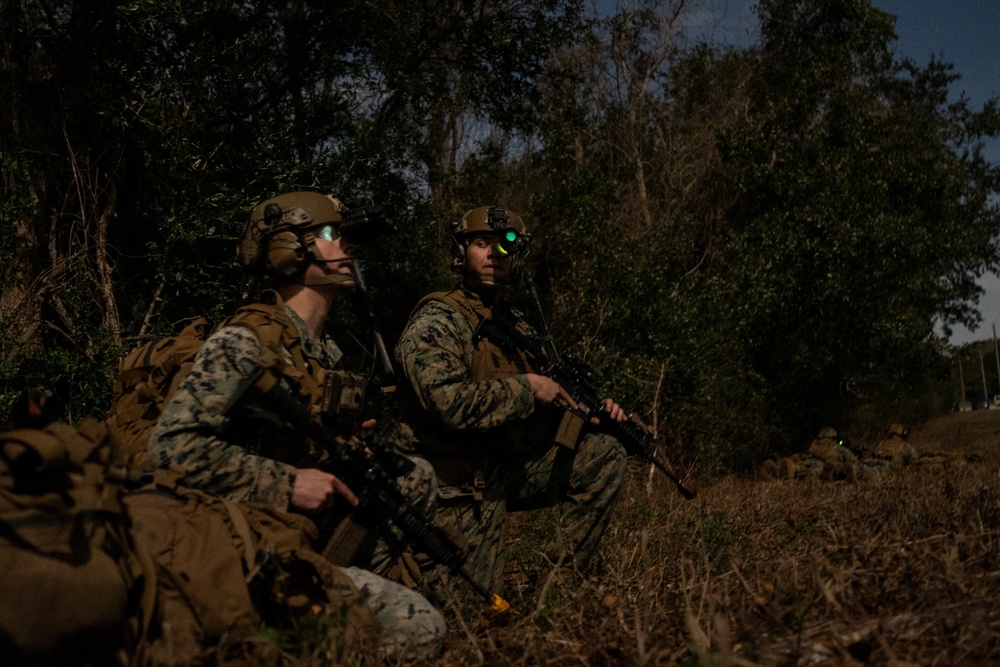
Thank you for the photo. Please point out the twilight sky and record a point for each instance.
(964, 33)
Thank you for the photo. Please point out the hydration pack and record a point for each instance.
(147, 377)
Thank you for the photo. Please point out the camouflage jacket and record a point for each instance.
(436, 354)
(193, 435)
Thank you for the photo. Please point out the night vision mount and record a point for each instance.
(511, 241)
(363, 221)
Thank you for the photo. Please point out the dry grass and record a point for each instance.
(902, 570)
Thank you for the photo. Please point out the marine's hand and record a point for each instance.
(545, 390)
(367, 427)
(315, 490)
(614, 411)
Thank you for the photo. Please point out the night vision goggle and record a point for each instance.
(511, 241)
(362, 223)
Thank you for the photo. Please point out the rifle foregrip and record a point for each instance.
(424, 534)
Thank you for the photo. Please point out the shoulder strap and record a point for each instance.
(475, 311)
(272, 326)
(283, 354)
(165, 353)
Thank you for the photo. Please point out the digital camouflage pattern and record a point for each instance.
(190, 434)
(585, 484)
(435, 353)
(191, 437)
(839, 462)
(410, 629)
(826, 458)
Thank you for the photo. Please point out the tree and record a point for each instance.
(746, 242)
(127, 174)
(863, 214)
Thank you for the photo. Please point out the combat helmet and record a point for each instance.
(278, 240)
(512, 236)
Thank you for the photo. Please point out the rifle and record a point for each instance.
(578, 379)
(363, 307)
(370, 467)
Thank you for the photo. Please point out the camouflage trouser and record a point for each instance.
(873, 468)
(584, 484)
(409, 627)
(420, 485)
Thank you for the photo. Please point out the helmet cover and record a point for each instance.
(284, 218)
(513, 238)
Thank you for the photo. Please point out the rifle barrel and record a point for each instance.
(637, 443)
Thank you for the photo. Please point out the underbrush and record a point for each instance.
(899, 570)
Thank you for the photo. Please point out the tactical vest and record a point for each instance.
(489, 360)
(334, 396)
(455, 456)
(150, 374)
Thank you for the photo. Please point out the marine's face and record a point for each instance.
(337, 253)
(486, 265)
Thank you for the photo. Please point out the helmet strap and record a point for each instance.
(329, 279)
(311, 255)
(314, 255)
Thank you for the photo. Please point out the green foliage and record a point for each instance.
(852, 230)
(746, 244)
(80, 381)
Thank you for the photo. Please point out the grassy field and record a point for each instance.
(902, 570)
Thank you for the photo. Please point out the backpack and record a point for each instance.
(224, 569)
(150, 374)
(147, 377)
(71, 577)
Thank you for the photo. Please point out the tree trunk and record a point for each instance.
(20, 296)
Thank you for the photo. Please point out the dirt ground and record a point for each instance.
(895, 571)
(969, 432)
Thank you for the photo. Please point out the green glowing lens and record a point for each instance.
(326, 232)
(506, 244)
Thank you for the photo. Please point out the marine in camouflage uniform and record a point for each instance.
(891, 454)
(212, 432)
(839, 462)
(488, 422)
(895, 448)
(827, 458)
